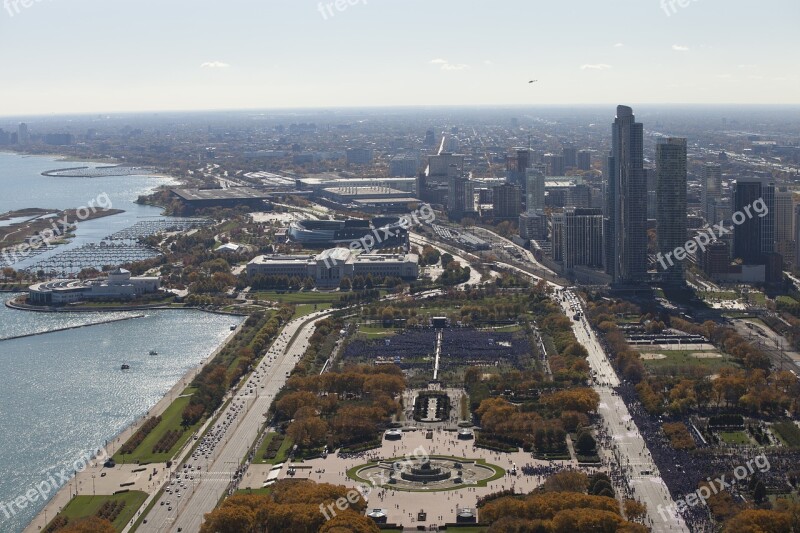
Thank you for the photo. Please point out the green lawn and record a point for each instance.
(283, 451)
(306, 309)
(682, 358)
(376, 332)
(170, 420)
(787, 432)
(307, 297)
(734, 437)
(86, 506)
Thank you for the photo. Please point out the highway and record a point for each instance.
(630, 449)
(215, 463)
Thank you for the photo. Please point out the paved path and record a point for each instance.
(629, 447)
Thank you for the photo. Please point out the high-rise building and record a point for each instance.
(711, 190)
(460, 196)
(578, 238)
(584, 160)
(570, 155)
(534, 189)
(516, 164)
(23, 136)
(506, 201)
(445, 165)
(405, 166)
(626, 196)
(672, 209)
(768, 221)
(797, 236)
(750, 232)
(555, 164)
(533, 226)
(784, 224)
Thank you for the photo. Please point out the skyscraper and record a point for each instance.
(578, 238)
(570, 155)
(460, 196)
(750, 235)
(506, 201)
(584, 160)
(784, 224)
(711, 190)
(672, 210)
(626, 197)
(23, 136)
(555, 164)
(534, 189)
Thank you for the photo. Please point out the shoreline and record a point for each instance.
(63, 496)
(11, 304)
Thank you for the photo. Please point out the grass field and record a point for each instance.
(306, 309)
(299, 297)
(171, 419)
(283, 451)
(676, 359)
(788, 433)
(86, 506)
(376, 332)
(735, 437)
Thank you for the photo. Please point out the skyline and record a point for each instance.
(294, 55)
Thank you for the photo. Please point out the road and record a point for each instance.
(630, 448)
(223, 449)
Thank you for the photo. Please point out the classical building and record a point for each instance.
(331, 266)
(117, 286)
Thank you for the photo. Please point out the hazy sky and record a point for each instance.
(64, 56)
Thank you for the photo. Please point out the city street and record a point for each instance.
(629, 447)
(210, 473)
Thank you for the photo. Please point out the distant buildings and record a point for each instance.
(359, 156)
(570, 156)
(626, 209)
(23, 135)
(517, 165)
(749, 235)
(672, 207)
(331, 266)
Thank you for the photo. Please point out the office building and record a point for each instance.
(748, 236)
(711, 190)
(533, 226)
(23, 136)
(534, 189)
(460, 197)
(506, 201)
(784, 224)
(555, 164)
(672, 209)
(626, 209)
(517, 163)
(584, 160)
(570, 156)
(445, 165)
(117, 285)
(403, 166)
(578, 238)
(359, 156)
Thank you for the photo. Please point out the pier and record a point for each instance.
(99, 323)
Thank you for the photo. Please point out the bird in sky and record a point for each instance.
(533, 81)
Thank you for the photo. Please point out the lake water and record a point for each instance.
(63, 393)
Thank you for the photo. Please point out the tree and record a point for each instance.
(345, 284)
(89, 525)
(759, 492)
(586, 444)
(307, 432)
(567, 481)
(229, 519)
